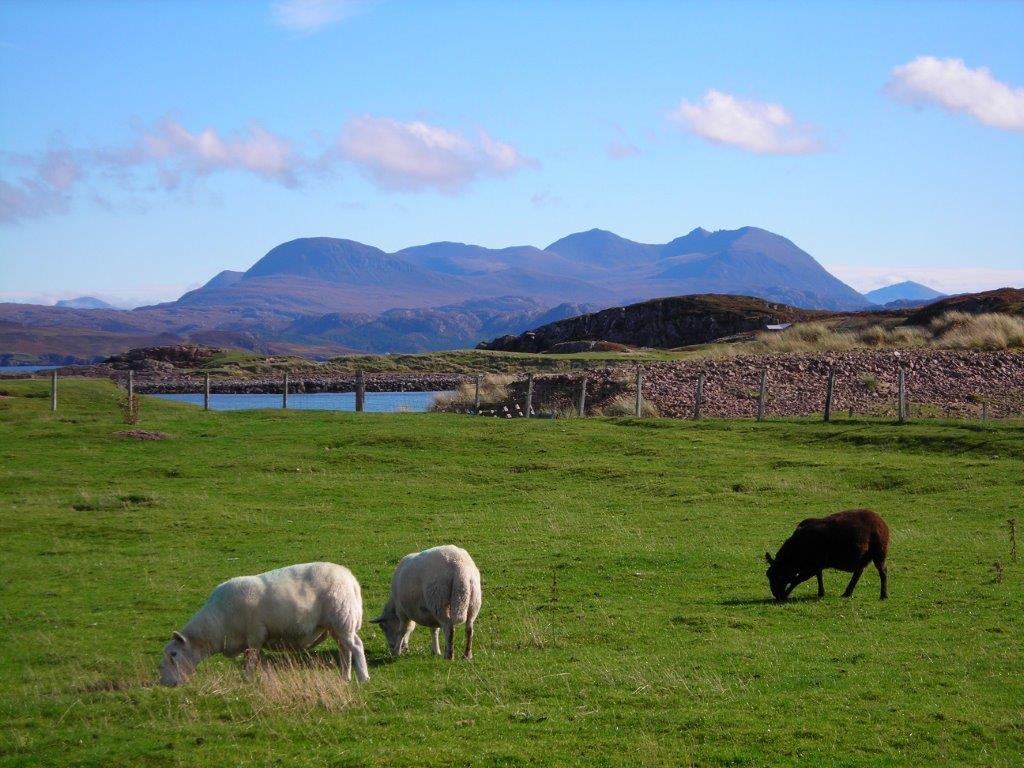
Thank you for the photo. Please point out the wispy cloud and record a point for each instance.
(621, 149)
(168, 153)
(122, 299)
(944, 279)
(311, 15)
(417, 156)
(952, 85)
(170, 156)
(41, 184)
(756, 126)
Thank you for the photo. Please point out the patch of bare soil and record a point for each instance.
(142, 434)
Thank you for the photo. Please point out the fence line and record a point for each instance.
(581, 396)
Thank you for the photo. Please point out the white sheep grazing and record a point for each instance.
(292, 608)
(437, 588)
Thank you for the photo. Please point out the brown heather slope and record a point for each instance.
(1005, 301)
(675, 321)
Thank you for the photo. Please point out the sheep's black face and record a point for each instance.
(777, 585)
(778, 580)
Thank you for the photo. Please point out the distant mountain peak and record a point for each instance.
(84, 302)
(907, 290)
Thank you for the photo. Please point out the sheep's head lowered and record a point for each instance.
(779, 577)
(396, 631)
(180, 660)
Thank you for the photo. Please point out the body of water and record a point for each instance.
(376, 402)
(26, 368)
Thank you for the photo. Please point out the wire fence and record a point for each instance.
(710, 389)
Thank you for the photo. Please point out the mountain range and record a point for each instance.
(323, 296)
(597, 267)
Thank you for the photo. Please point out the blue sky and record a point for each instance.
(146, 146)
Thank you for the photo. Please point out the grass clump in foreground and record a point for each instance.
(626, 617)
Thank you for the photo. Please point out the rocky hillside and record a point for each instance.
(663, 323)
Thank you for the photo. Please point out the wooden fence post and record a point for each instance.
(984, 410)
(828, 394)
(360, 391)
(760, 396)
(476, 399)
(284, 392)
(902, 404)
(206, 393)
(529, 395)
(53, 391)
(639, 394)
(699, 399)
(582, 405)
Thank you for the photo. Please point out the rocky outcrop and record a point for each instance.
(664, 323)
(163, 358)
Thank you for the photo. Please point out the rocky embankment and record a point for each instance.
(174, 369)
(939, 383)
(299, 383)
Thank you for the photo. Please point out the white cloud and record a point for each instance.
(311, 15)
(952, 85)
(756, 126)
(944, 279)
(417, 156)
(176, 149)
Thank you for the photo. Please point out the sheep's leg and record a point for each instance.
(821, 586)
(469, 640)
(354, 646)
(345, 661)
(853, 581)
(403, 644)
(884, 576)
(252, 662)
(449, 641)
(435, 634)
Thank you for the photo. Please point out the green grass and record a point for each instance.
(244, 364)
(625, 619)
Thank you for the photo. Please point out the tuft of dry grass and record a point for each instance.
(958, 330)
(283, 683)
(625, 405)
(952, 330)
(493, 391)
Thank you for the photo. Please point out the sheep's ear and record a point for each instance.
(768, 557)
(179, 637)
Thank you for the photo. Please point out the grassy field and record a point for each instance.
(625, 617)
